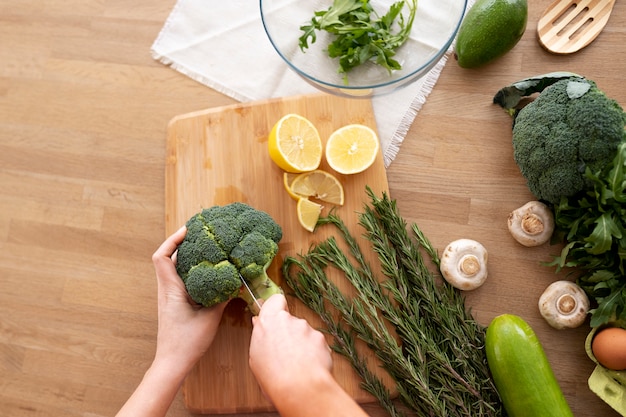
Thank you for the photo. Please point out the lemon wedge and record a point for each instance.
(295, 145)
(352, 149)
(320, 185)
(308, 213)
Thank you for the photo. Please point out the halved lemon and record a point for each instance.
(295, 145)
(318, 184)
(308, 213)
(352, 149)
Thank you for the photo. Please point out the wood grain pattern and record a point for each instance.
(219, 156)
(83, 126)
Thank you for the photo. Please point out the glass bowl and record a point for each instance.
(433, 31)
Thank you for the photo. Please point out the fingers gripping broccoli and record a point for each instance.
(223, 242)
(570, 126)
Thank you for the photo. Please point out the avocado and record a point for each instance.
(490, 29)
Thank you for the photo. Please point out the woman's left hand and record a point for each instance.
(186, 330)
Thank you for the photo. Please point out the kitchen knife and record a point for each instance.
(256, 308)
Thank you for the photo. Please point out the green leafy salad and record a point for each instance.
(360, 34)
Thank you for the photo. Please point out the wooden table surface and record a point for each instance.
(83, 116)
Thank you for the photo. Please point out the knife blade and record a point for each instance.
(254, 297)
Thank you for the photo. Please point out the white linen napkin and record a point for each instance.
(222, 44)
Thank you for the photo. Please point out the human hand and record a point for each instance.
(185, 330)
(286, 353)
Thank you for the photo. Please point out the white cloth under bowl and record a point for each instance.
(222, 44)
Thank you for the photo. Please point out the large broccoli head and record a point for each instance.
(570, 126)
(223, 242)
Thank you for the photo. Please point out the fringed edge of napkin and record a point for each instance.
(399, 135)
(416, 105)
(165, 60)
(198, 78)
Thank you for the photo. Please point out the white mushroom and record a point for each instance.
(532, 224)
(564, 305)
(464, 264)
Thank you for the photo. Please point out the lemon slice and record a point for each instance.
(288, 179)
(308, 213)
(319, 184)
(295, 145)
(352, 149)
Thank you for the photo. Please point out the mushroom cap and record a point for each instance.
(464, 264)
(532, 224)
(564, 304)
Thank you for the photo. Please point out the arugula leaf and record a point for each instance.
(337, 10)
(359, 34)
(617, 178)
(610, 307)
(594, 225)
(602, 236)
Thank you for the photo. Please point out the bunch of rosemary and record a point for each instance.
(435, 351)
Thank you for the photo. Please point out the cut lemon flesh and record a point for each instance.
(352, 149)
(319, 184)
(288, 178)
(295, 145)
(308, 213)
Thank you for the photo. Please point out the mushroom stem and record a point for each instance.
(469, 265)
(532, 224)
(566, 304)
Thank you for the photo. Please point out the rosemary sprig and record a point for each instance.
(312, 281)
(435, 352)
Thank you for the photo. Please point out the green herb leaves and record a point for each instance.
(594, 225)
(360, 35)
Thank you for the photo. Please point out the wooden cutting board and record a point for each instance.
(218, 156)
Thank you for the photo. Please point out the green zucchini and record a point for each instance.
(521, 371)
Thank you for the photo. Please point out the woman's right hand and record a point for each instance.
(285, 351)
(292, 363)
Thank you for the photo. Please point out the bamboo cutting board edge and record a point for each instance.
(196, 178)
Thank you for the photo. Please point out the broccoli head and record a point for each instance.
(572, 125)
(223, 243)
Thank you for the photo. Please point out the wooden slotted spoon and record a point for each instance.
(567, 26)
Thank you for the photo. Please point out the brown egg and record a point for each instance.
(609, 348)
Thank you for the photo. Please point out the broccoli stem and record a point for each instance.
(263, 287)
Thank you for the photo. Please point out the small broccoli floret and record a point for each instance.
(570, 126)
(236, 237)
(226, 233)
(260, 221)
(199, 245)
(209, 284)
(229, 211)
(252, 255)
